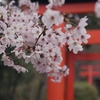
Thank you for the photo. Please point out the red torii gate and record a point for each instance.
(90, 71)
(65, 89)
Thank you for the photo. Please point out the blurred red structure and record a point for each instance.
(90, 71)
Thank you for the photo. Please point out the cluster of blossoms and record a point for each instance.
(32, 37)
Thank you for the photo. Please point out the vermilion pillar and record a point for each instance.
(56, 91)
(69, 94)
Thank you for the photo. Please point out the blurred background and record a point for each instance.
(33, 86)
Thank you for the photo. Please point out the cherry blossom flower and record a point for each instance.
(7, 60)
(5, 41)
(56, 2)
(3, 13)
(18, 52)
(80, 29)
(24, 2)
(58, 74)
(68, 26)
(51, 17)
(84, 38)
(82, 22)
(75, 46)
(97, 8)
(20, 68)
(3, 26)
(2, 48)
(31, 7)
(68, 38)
